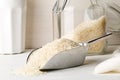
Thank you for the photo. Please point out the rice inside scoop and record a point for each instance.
(41, 56)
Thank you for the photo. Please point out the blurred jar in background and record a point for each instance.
(12, 26)
(94, 11)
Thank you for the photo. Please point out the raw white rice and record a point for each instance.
(41, 56)
(91, 30)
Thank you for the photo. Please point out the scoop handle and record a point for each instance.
(100, 38)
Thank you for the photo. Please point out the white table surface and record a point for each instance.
(86, 72)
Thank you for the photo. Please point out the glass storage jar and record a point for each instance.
(94, 11)
(12, 26)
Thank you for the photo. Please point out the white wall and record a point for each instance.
(39, 20)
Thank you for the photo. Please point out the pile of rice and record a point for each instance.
(90, 30)
(41, 56)
(82, 33)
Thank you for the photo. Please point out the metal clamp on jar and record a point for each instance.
(56, 14)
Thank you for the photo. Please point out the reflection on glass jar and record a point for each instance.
(94, 11)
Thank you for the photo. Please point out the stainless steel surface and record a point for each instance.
(72, 57)
(66, 59)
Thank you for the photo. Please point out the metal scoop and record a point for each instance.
(70, 58)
